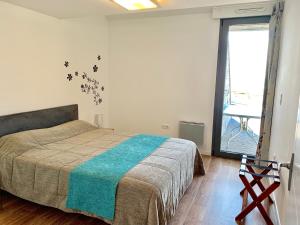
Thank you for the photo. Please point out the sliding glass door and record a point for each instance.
(239, 93)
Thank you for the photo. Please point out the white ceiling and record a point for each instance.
(80, 8)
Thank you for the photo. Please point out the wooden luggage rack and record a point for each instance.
(267, 169)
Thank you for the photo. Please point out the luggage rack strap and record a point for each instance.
(260, 175)
(258, 160)
(259, 166)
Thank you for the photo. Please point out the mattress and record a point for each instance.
(35, 165)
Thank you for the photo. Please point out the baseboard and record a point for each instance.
(274, 210)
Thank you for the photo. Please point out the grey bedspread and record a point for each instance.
(35, 165)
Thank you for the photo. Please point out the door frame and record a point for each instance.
(220, 80)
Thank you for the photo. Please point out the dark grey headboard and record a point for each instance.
(44, 118)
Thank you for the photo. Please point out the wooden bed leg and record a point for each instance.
(1, 199)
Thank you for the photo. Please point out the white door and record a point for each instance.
(293, 202)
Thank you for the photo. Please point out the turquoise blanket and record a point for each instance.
(93, 184)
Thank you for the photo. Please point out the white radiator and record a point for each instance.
(191, 131)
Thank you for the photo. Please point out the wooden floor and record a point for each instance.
(211, 200)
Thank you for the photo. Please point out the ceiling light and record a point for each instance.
(136, 4)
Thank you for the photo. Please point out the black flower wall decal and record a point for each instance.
(95, 68)
(69, 77)
(91, 86)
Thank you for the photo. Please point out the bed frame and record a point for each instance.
(39, 119)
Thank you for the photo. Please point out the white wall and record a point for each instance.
(288, 84)
(31, 55)
(86, 38)
(33, 48)
(162, 70)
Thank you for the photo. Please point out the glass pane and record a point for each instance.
(244, 87)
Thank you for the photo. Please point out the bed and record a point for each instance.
(39, 150)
